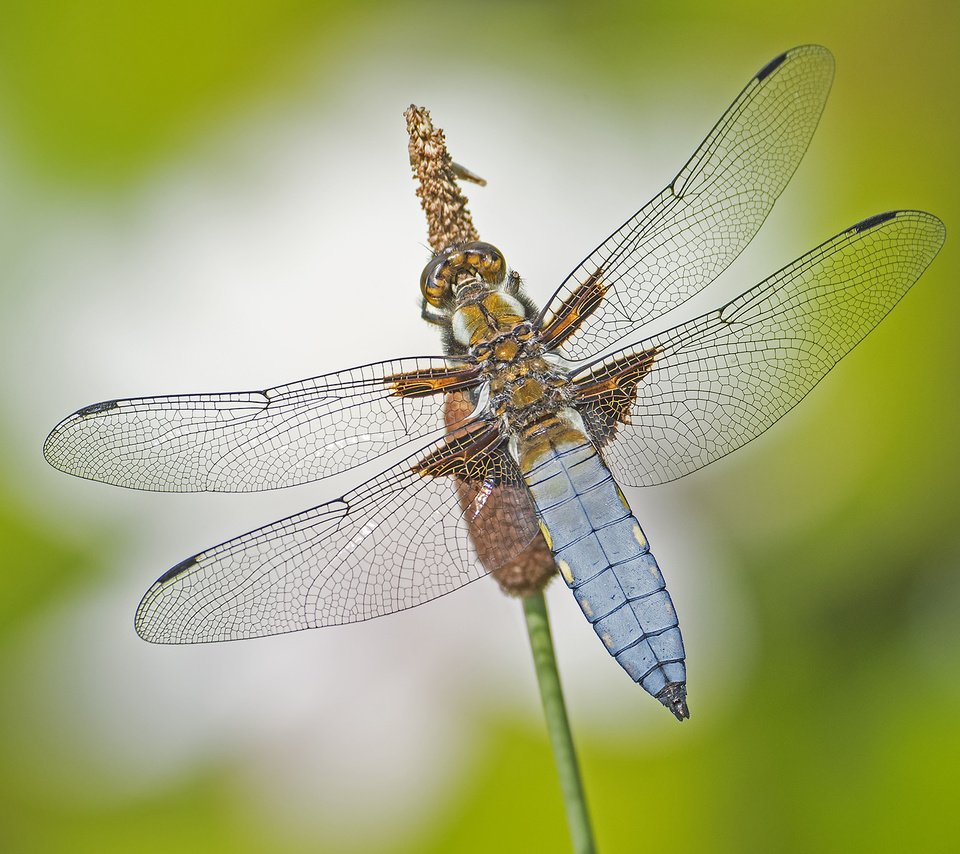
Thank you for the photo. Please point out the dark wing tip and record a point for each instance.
(144, 622)
(50, 442)
(806, 49)
(932, 226)
(674, 697)
(174, 571)
(94, 408)
(872, 221)
(771, 66)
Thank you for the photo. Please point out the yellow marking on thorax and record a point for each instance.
(506, 350)
(475, 322)
(504, 309)
(527, 392)
(483, 321)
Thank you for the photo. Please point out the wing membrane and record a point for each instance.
(396, 541)
(248, 441)
(682, 239)
(719, 381)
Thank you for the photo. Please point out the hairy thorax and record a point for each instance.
(492, 323)
(526, 387)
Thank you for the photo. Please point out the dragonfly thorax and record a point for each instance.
(523, 384)
(481, 319)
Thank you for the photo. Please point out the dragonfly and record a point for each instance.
(525, 428)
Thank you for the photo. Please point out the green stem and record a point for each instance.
(558, 726)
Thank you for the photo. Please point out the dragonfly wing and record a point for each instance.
(707, 387)
(255, 440)
(400, 539)
(686, 236)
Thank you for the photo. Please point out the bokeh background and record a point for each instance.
(189, 192)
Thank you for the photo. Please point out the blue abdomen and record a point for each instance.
(605, 559)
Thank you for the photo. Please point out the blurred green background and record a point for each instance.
(187, 190)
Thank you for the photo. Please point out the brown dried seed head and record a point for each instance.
(529, 572)
(445, 206)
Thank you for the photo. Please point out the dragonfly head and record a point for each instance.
(461, 266)
(471, 285)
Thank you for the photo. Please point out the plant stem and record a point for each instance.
(558, 726)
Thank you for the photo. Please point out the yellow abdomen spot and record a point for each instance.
(640, 538)
(546, 535)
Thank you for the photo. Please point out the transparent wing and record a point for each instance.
(721, 380)
(252, 440)
(681, 240)
(396, 541)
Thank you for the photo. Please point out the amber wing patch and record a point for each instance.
(432, 381)
(493, 499)
(473, 454)
(574, 310)
(607, 393)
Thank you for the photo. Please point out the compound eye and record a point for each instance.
(486, 260)
(434, 292)
(435, 281)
